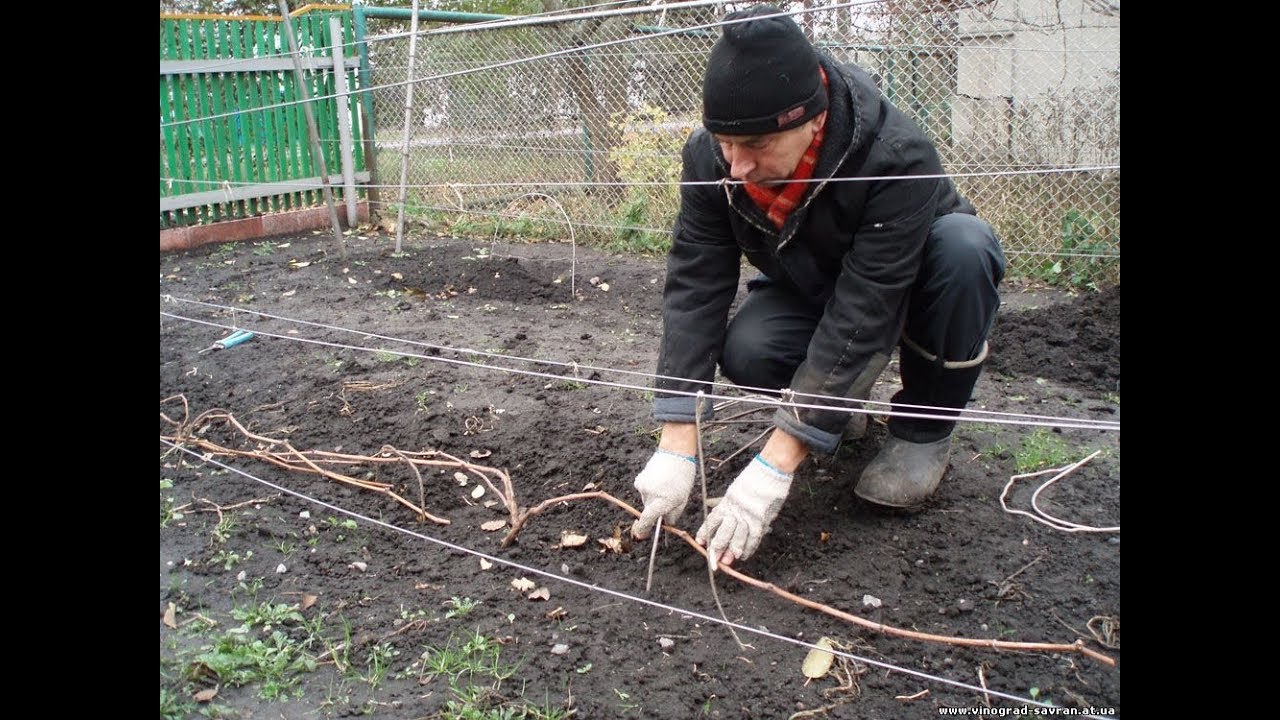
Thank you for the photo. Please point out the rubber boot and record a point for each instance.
(910, 466)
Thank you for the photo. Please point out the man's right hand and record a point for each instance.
(664, 485)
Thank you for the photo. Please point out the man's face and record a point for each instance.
(768, 159)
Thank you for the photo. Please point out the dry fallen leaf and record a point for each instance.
(352, 280)
(205, 696)
(291, 293)
(298, 265)
(358, 565)
(397, 276)
(308, 600)
(571, 539)
(481, 453)
(612, 544)
(477, 492)
(493, 525)
(558, 614)
(523, 584)
(169, 613)
(540, 594)
(485, 564)
(818, 662)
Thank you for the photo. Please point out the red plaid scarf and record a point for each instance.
(778, 204)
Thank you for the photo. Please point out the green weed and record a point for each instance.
(1042, 449)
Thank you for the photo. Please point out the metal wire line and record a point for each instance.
(518, 61)
(217, 65)
(928, 412)
(667, 231)
(286, 186)
(597, 588)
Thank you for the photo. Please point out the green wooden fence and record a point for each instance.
(233, 136)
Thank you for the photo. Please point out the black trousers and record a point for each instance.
(950, 312)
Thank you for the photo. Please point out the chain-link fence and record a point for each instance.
(594, 112)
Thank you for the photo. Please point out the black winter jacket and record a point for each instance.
(852, 247)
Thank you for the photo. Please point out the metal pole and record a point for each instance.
(344, 119)
(316, 152)
(408, 117)
(366, 112)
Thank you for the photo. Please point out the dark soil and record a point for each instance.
(959, 567)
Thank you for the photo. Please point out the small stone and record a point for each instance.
(304, 515)
(871, 601)
(240, 577)
(281, 568)
(559, 649)
(666, 643)
(358, 565)
(1113, 540)
(920, 562)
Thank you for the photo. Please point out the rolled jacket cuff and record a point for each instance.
(681, 408)
(816, 438)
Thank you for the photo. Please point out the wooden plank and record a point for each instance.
(289, 166)
(191, 110)
(238, 127)
(219, 127)
(244, 192)
(234, 46)
(267, 168)
(212, 127)
(272, 96)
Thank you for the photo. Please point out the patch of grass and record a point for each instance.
(996, 450)
(268, 615)
(223, 531)
(173, 707)
(286, 548)
(228, 559)
(378, 662)
(1042, 449)
(345, 523)
(264, 248)
(477, 658)
(167, 513)
(386, 356)
(460, 607)
(270, 650)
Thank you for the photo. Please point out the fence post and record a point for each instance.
(316, 151)
(344, 118)
(408, 116)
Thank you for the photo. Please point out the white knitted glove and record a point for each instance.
(743, 517)
(664, 485)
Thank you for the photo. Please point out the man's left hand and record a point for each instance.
(736, 526)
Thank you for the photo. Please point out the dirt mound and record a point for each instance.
(1076, 343)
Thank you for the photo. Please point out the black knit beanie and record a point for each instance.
(762, 76)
